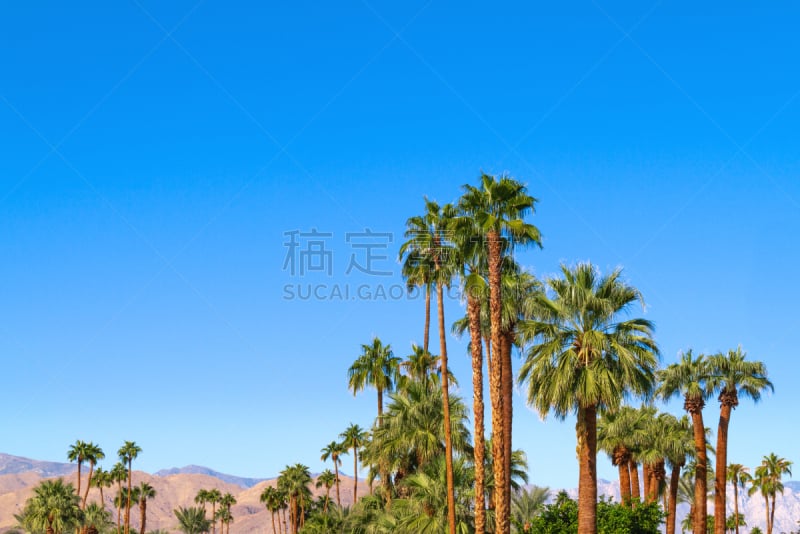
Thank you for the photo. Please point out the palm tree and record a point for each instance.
(334, 450)
(127, 454)
(119, 474)
(767, 480)
(584, 358)
(418, 365)
(378, 367)
(618, 434)
(353, 438)
(427, 237)
(678, 446)
(141, 494)
(92, 454)
(273, 501)
(102, 479)
(690, 376)
(225, 504)
(739, 476)
(499, 207)
(294, 480)
(327, 478)
(54, 508)
(96, 519)
(214, 497)
(77, 453)
(732, 376)
(202, 497)
(192, 520)
(418, 270)
(526, 505)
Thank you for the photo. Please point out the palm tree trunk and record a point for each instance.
(143, 513)
(88, 485)
(766, 504)
(508, 389)
(213, 517)
(502, 507)
(448, 439)
(476, 349)
(119, 508)
(624, 476)
(427, 334)
(736, 503)
(721, 480)
(336, 470)
(646, 478)
(772, 514)
(700, 482)
(636, 492)
(674, 479)
(355, 475)
(274, 530)
(587, 480)
(128, 500)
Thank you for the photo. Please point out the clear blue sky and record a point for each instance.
(154, 156)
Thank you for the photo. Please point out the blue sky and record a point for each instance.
(155, 157)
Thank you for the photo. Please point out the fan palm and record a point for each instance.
(767, 480)
(119, 474)
(733, 376)
(739, 476)
(192, 520)
(585, 358)
(96, 519)
(690, 377)
(427, 237)
(499, 206)
(54, 508)
(334, 450)
(273, 500)
(377, 367)
(127, 454)
(141, 494)
(353, 438)
(327, 479)
(294, 480)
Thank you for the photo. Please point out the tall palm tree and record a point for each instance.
(119, 474)
(92, 454)
(678, 447)
(427, 237)
(273, 501)
(377, 366)
(353, 438)
(327, 479)
(418, 270)
(141, 494)
(214, 497)
(739, 476)
(203, 496)
(618, 434)
(77, 453)
(690, 377)
(584, 358)
(102, 479)
(127, 454)
(294, 480)
(733, 376)
(225, 503)
(54, 508)
(192, 520)
(334, 450)
(499, 207)
(418, 365)
(767, 480)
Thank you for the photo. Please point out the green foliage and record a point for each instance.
(561, 517)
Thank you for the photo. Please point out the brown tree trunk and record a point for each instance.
(502, 506)
(128, 500)
(336, 470)
(766, 509)
(119, 508)
(695, 409)
(143, 514)
(587, 480)
(426, 335)
(355, 475)
(88, 485)
(274, 530)
(508, 389)
(674, 479)
(476, 349)
(636, 492)
(772, 514)
(621, 458)
(646, 478)
(659, 477)
(727, 403)
(213, 517)
(448, 439)
(736, 504)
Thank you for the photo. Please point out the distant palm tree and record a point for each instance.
(334, 450)
(526, 504)
(226, 517)
(192, 520)
(273, 501)
(585, 357)
(294, 480)
(739, 476)
(214, 496)
(102, 479)
(733, 376)
(54, 508)
(327, 479)
(377, 367)
(119, 474)
(690, 377)
(353, 438)
(96, 519)
(77, 453)
(127, 454)
(141, 494)
(767, 480)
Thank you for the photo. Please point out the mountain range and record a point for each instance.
(177, 487)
